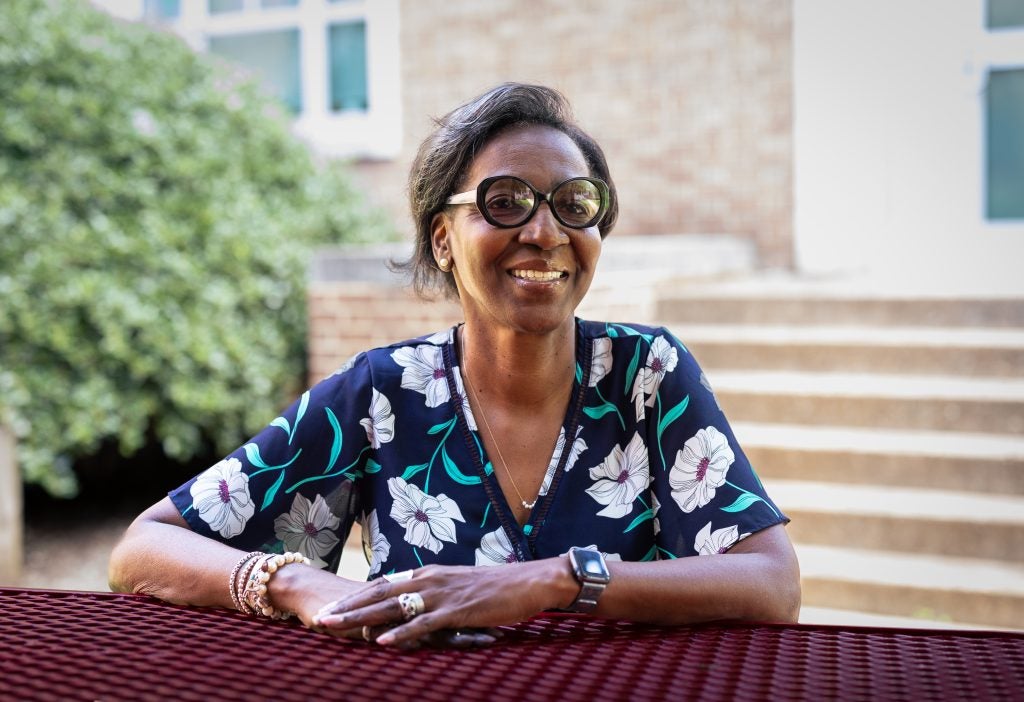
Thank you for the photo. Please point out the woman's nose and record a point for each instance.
(543, 230)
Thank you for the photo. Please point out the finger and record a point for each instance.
(416, 629)
(387, 612)
(377, 591)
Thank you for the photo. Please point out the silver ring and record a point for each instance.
(366, 633)
(398, 577)
(412, 604)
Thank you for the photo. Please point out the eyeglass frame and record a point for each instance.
(480, 191)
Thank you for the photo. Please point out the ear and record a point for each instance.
(440, 228)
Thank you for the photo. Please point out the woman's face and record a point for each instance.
(497, 271)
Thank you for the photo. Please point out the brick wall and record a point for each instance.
(348, 317)
(691, 100)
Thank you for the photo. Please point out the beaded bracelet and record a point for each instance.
(256, 593)
(233, 582)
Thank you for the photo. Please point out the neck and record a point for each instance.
(517, 369)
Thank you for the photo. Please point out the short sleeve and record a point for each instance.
(291, 487)
(706, 494)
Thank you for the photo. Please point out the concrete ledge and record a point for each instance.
(10, 511)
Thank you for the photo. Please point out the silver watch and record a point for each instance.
(590, 569)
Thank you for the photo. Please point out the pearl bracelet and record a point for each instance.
(233, 582)
(256, 594)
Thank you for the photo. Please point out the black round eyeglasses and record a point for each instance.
(507, 201)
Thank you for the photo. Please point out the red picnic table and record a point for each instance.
(67, 645)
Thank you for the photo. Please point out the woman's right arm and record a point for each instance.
(160, 555)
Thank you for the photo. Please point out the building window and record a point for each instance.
(1002, 14)
(347, 54)
(274, 56)
(333, 63)
(1004, 102)
(161, 10)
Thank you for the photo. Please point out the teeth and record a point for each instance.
(537, 275)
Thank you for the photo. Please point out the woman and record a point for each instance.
(585, 459)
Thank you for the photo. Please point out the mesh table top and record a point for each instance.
(64, 645)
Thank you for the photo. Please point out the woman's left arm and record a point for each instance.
(758, 579)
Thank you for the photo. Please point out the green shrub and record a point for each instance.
(156, 222)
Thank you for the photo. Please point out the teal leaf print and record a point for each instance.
(672, 415)
(600, 410)
(272, 492)
(282, 423)
(438, 428)
(644, 516)
(454, 473)
(746, 499)
(579, 373)
(742, 502)
(372, 466)
(649, 556)
(611, 331)
(252, 452)
(489, 468)
(413, 470)
(631, 370)
(336, 445)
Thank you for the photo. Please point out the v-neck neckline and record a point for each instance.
(522, 537)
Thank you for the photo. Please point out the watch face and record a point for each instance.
(590, 565)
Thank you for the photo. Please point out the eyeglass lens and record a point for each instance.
(575, 203)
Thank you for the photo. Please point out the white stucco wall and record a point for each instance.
(889, 142)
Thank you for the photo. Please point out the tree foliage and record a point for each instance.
(156, 222)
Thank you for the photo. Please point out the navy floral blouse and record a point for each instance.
(645, 467)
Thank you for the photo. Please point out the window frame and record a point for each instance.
(375, 133)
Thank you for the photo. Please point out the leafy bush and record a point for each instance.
(156, 222)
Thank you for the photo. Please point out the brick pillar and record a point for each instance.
(10, 511)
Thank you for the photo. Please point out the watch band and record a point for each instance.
(591, 571)
(586, 601)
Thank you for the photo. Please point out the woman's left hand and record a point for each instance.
(459, 603)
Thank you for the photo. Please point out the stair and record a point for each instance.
(889, 427)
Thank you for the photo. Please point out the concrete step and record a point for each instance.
(800, 305)
(832, 616)
(919, 351)
(967, 590)
(909, 520)
(987, 463)
(936, 403)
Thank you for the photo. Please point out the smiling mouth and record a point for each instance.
(542, 276)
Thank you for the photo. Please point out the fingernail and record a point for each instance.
(386, 639)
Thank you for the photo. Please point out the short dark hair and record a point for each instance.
(446, 154)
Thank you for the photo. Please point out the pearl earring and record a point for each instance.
(444, 264)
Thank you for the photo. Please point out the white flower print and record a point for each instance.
(460, 390)
(602, 360)
(661, 359)
(578, 447)
(347, 366)
(495, 549)
(375, 545)
(655, 506)
(427, 520)
(621, 478)
(423, 371)
(718, 541)
(220, 495)
(441, 337)
(380, 425)
(707, 386)
(700, 469)
(309, 527)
